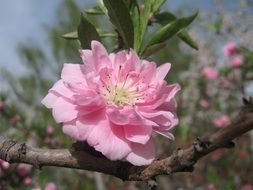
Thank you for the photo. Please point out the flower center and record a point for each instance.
(118, 96)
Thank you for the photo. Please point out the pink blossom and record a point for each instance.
(229, 49)
(50, 130)
(221, 121)
(23, 169)
(50, 186)
(5, 165)
(115, 102)
(27, 181)
(210, 73)
(204, 103)
(236, 61)
(2, 105)
(247, 187)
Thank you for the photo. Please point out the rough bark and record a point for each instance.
(80, 156)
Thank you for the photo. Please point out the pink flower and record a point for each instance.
(204, 103)
(236, 61)
(27, 181)
(210, 73)
(50, 186)
(221, 121)
(229, 49)
(50, 130)
(247, 187)
(115, 102)
(2, 105)
(5, 165)
(23, 169)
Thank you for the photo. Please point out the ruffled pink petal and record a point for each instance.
(138, 134)
(123, 116)
(111, 141)
(100, 55)
(74, 72)
(61, 89)
(49, 100)
(162, 71)
(71, 130)
(142, 154)
(87, 123)
(147, 71)
(64, 111)
(166, 134)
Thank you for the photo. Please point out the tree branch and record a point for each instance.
(81, 156)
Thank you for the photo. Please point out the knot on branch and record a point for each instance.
(5, 148)
(201, 145)
(11, 149)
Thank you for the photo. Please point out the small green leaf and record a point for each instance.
(71, 36)
(121, 19)
(170, 29)
(165, 18)
(86, 32)
(95, 11)
(144, 18)
(183, 35)
(156, 4)
(153, 49)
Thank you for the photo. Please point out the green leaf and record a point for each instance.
(95, 11)
(184, 36)
(71, 36)
(86, 32)
(144, 18)
(156, 4)
(153, 49)
(170, 29)
(165, 18)
(121, 19)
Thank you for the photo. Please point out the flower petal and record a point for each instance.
(71, 130)
(162, 71)
(142, 154)
(49, 100)
(64, 111)
(138, 133)
(74, 72)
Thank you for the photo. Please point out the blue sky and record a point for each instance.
(24, 21)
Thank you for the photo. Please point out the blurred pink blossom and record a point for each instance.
(50, 186)
(2, 105)
(221, 121)
(247, 187)
(23, 169)
(115, 102)
(204, 103)
(50, 130)
(237, 61)
(210, 73)
(5, 165)
(229, 49)
(27, 181)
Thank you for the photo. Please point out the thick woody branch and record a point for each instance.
(80, 156)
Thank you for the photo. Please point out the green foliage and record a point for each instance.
(86, 32)
(169, 30)
(120, 17)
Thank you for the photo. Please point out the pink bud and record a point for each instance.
(47, 140)
(204, 103)
(50, 130)
(5, 165)
(2, 105)
(50, 186)
(247, 187)
(236, 61)
(210, 73)
(23, 169)
(229, 49)
(221, 121)
(27, 181)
